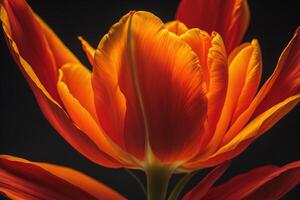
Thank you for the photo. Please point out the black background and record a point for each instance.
(26, 133)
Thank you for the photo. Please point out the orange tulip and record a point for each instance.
(162, 97)
(153, 96)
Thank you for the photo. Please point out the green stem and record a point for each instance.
(180, 185)
(157, 182)
(137, 180)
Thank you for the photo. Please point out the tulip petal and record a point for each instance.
(243, 80)
(251, 81)
(109, 101)
(285, 78)
(32, 44)
(22, 179)
(59, 50)
(202, 188)
(245, 72)
(51, 109)
(170, 109)
(75, 90)
(176, 27)
(37, 44)
(268, 182)
(78, 80)
(213, 60)
(200, 42)
(88, 49)
(218, 81)
(229, 18)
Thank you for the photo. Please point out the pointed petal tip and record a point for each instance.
(80, 38)
(88, 49)
(204, 186)
(132, 12)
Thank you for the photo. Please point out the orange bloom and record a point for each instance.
(163, 98)
(156, 98)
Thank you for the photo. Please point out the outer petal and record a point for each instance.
(78, 80)
(229, 18)
(160, 78)
(37, 44)
(22, 179)
(176, 27)
(60, 52)
(51, 109)
(75, 90)
(244, 76)
(285, 78)
(269, 182)
(109, 101)
(202, 188)
(251, 80)
(213, 60)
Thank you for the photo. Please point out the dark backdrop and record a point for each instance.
(26, 133)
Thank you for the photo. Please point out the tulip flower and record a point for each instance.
(163, 98)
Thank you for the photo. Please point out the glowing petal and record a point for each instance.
(75, 90)
(109, 101)
(218, 80)
(200, 42)
(160, 78)
(251, 80)
(244, 77)
(37, 44)
(285, 78)
(213, 59)
(60, 52)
